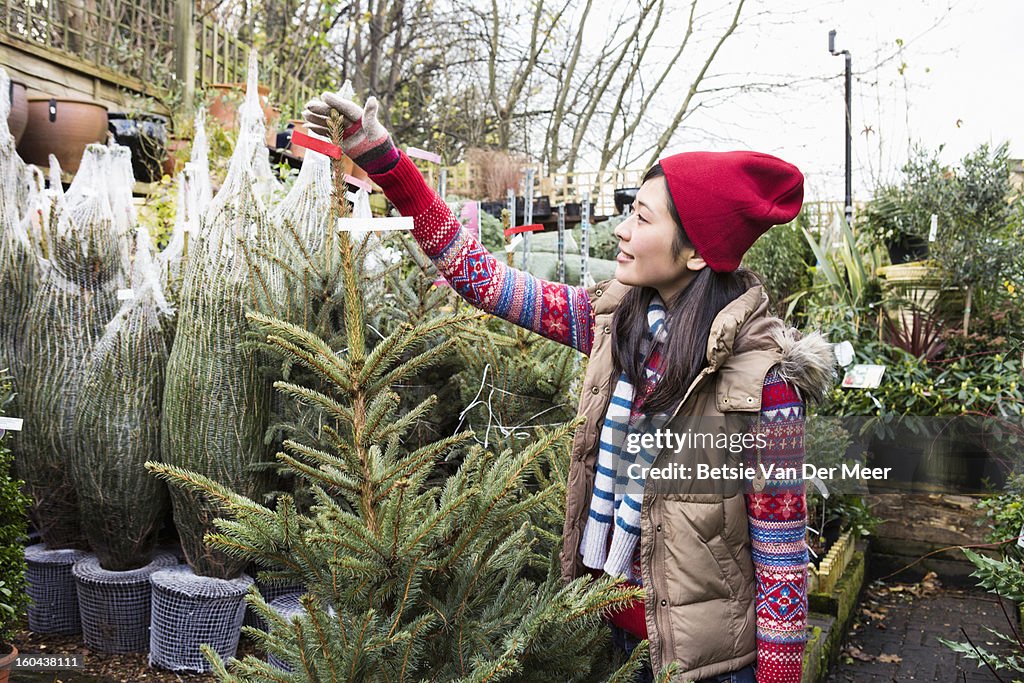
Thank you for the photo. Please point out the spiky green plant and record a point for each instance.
(407, 580)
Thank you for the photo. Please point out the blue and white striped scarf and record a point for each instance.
(615, 505)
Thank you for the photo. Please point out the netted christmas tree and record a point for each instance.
(20, 185)
(81, 270)
(193, 198)
(117, 424)
(217, 400)
(406, 578)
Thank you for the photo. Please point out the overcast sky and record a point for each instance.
(962, 85)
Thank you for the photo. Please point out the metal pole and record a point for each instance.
(849, 121)
(561, 243)
(527, 217)
(849, 141)
(585, 240)
(442, 183)
(511, 218)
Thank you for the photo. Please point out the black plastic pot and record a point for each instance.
(575, 209)
(624, 197)
(146, 136)
(492, 208)
(908, 249)
(541, 208)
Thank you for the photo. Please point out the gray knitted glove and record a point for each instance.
(363, 139)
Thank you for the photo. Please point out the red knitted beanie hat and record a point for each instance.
(726, 200)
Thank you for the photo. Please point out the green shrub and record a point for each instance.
(13, 529)
(989, 384)
(782, 258)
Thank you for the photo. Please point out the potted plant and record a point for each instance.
(226, 98)
(894, 220)
(62, 127)
(145, 134)
(17, 118)
(13, 529)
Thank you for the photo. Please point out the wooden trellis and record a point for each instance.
(96, 49)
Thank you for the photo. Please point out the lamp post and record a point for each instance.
(849, 173)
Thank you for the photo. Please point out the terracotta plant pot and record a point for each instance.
(174, 161)
(63, 128)
(226, 99)
(17, 119)
(6, 661)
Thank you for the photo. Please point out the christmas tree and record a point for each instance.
(407, 576)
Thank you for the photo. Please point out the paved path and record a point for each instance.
(895, 632)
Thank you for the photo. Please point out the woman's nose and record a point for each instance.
(622, 230)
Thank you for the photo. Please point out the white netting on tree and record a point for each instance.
(82, 269)
(20, 186)
(193, 199)
(189, 611)
(117, 423)
(216, 406)
(119, 193)
(114, 606)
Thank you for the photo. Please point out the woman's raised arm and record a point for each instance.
(557, 311)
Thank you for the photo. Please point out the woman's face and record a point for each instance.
(645, 250)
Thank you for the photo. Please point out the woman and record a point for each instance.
(679, 333)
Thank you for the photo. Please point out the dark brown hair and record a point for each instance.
(688, 319)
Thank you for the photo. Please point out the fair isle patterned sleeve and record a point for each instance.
(559, 312)
(777, 520)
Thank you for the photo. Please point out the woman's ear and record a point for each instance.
(696, 262)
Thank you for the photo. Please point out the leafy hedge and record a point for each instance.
(13, 529)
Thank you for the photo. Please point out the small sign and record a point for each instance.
(361, 184)
(532, 227)
(125, 294)
(302, 140)
(863, 376)
(11, 424)
(417, 153)
(844, 353)
(388, 223)
(933, 230)
(511, 246)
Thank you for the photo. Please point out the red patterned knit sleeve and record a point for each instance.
(777, 520)
(559, 312)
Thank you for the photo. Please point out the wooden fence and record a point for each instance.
(96, 48)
